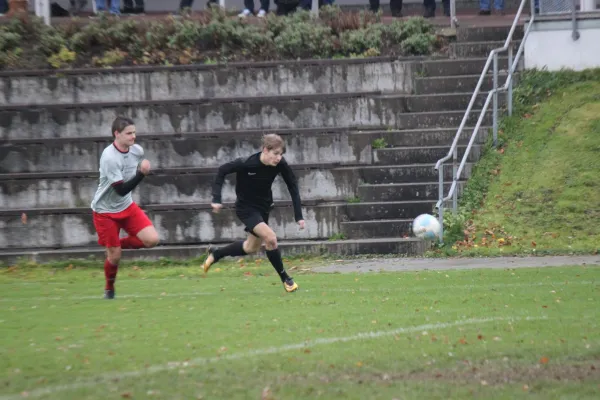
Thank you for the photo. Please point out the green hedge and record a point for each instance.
(209, 37)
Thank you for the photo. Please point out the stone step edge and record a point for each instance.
(407, 184)
(157, 171)
(204, 67)
(377, 221)
(178, 102)
(485, 42)
(204, 206)
(187, 249)
(461, 59)
(424, 78)
(208, 135)
(178, 171)
(464, 146)
(161, 207)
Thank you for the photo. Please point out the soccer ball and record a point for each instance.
(427, 227)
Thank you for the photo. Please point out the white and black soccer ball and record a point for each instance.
(427, 227)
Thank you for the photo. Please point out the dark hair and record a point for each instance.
(273, 141)
(120, 123)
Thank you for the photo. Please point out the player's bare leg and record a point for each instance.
(267, 235)
(147, 237)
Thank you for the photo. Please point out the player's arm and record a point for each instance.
(292, 185)
(223, 171)
(122, 188)
(112, 170)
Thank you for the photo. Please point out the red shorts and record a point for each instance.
(108, 225)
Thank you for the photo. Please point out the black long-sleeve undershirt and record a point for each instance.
(122, 188)
(254, 181)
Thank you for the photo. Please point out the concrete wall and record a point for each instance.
(359, 110)
(173, 226)
(168, 151)
(208, 81)
(550, 44)
(314, 184)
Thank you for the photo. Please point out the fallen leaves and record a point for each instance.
(266, 394)
(491, 236)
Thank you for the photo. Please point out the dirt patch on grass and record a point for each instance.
(497, 373)
(489, 373)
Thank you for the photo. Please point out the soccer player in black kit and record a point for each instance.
(254, 178)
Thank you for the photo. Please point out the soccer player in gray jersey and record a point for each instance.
(254, 178)
(122, 168)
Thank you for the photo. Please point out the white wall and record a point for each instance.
(550, 45)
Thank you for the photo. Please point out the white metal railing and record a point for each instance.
(42, 9)
(457, 169)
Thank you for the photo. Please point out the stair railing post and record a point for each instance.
(314, 8)
(441, 199)
(495, 106)
(509, 92)
(454, 171)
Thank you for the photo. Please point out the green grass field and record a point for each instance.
(235, 334)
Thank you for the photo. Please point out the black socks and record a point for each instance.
(231, 250)
(274, 257)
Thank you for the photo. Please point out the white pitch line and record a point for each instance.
(254, 353)
(482, 286)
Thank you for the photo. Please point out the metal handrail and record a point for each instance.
(492, 94)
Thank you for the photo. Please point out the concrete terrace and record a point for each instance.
(331, 112)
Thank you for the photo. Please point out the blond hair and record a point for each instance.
(273, 141)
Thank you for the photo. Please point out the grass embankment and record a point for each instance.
(538, 192)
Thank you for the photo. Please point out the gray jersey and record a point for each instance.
(115, 167)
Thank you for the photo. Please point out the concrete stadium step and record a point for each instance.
(423, 136)
(407, 173)
(402, 191)
(168, 150)
(185, 115)
(365, 211)
(358, 110)
(488, 33)
(454, 67)
(428, 98)
(210, 149)
(190, 185)
(317, 182)
(479, 49)
(382, 228)
(425, 155)
(458, 89)
(175, 223)
(396, 246)
(130, 84)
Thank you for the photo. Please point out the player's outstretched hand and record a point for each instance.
(216, 207)
(301, 223)
(145, 167)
